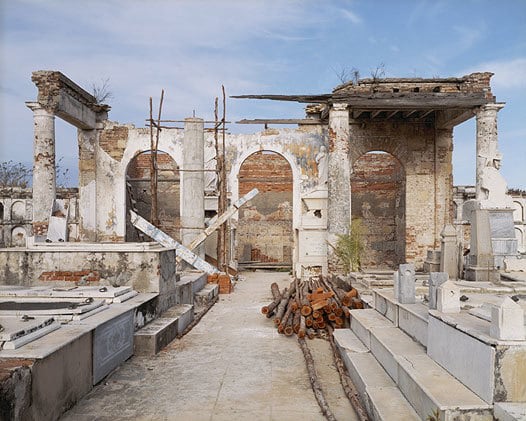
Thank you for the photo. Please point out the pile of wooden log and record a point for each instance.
(308, 307)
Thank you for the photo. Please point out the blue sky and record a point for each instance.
(190, 48)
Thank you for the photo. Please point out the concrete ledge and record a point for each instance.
(476, 373)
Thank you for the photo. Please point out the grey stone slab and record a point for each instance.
(112, 344)
(501, 224)
(469, 360)
(48, 344)
(428, 387)
(412, 319)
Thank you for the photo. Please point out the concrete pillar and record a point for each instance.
(435, 280)
(448, 298)
(507, 321)
(449, 252)
(487, 140)
(44, 172)
(339, 181)
(405, 293)
(87, 185)
(193, 182)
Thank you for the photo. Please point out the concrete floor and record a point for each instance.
(232, 366)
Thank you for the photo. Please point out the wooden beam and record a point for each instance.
(424, 114)
(313, 99)
(408, 114)
(375, 113)
(411, 101)
(281, 121)
(391, 114)
(357, 113)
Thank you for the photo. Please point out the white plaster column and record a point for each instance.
(87, 185)
(44, 172)
(193, 182)
(339, 180)
(487, 140)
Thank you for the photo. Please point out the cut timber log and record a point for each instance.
(268, 310)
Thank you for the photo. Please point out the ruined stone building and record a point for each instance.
(379, 150)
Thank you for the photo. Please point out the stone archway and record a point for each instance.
(378, 199)
(265, 231)
(138, 193)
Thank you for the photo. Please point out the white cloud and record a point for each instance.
(509, 74)
(351, 16)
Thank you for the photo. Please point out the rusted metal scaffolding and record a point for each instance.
(219, 130)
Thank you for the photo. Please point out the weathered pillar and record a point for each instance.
(487, 140)
(449, 252)
(87, 185)
(44, 172)
(339, 180)
(193, 182)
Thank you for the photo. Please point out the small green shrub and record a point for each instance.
(349, 247)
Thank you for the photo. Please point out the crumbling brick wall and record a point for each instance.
(168, 198)
(378, 199)
(265, 224)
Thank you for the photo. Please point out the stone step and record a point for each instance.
(206, 295)
(363, 320)
(510, 411)
(160, 332)
(425, 384)
(381, 397)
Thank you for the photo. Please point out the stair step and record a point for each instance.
(207, 294)
(150, 339)
(184, 313)
(381, 397)
(363, 320)
(425, 384)
(388, 343)
(429, 387)
(510, 411)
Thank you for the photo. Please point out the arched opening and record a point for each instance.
(519, 235)
(518, 213)
(18, 237)
(378, 199)
(18, 211)
(139, 195)
(264, 232)
(1, 211)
